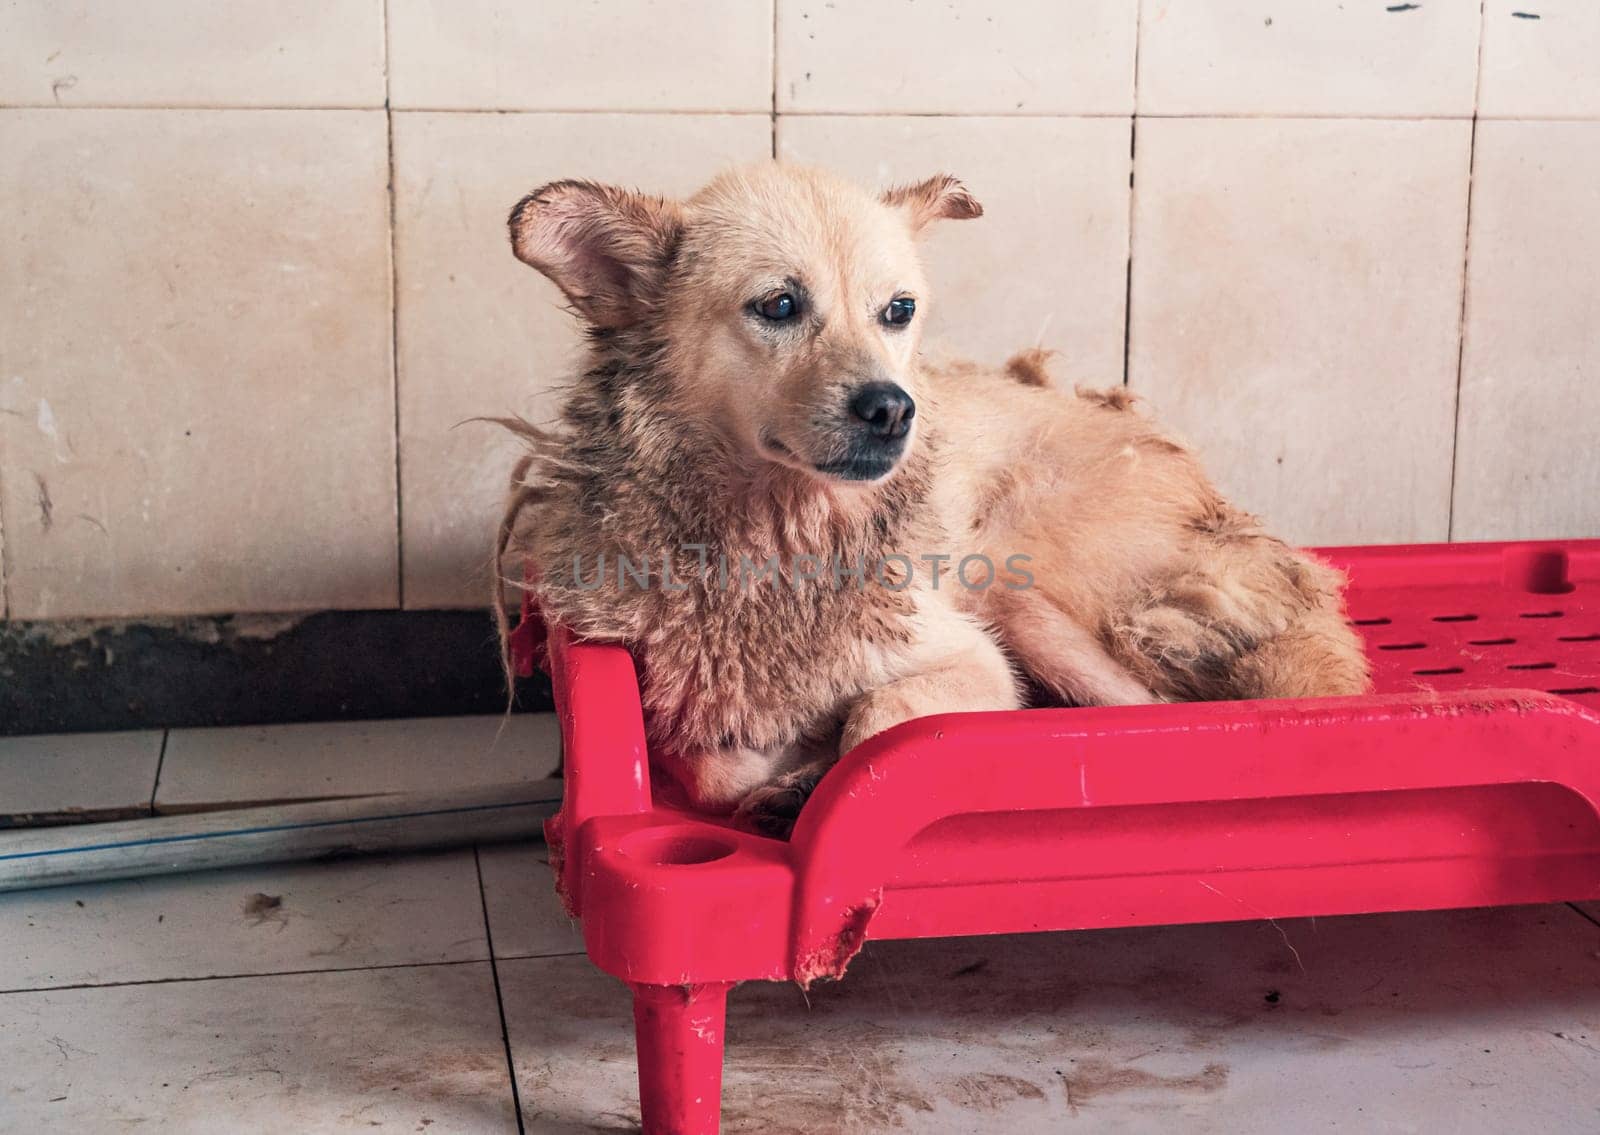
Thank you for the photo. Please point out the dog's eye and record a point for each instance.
(899, 311)
(777, 307)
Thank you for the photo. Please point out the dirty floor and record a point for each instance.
(442, 992)
(448, 992)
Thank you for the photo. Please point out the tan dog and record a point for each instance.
(757, 476)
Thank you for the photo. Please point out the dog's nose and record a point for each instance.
(885, 408)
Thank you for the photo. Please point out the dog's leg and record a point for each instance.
(1249, 618)
(956, 666)
(1065, 657)
(716, 780)
(773, 808)
(1320, 656)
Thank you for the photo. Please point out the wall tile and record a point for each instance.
(480, 333)
(1539, 59)
(1528, 462)
(1009, 57)
(715, 55)
(1327, 57)
(1295, 312)
(195, 374)
(192, 53)
(1047, 262)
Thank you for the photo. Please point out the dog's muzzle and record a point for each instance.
(878, 423)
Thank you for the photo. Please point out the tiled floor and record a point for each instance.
(121, 775)
(442, 992)
(360, 995)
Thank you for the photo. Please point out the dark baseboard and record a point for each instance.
(83, 676)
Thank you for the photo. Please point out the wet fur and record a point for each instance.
(1177, 589)
(688, 429)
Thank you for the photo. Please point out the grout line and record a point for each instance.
(1053, 115)
(394, 333)
(5, 551)
(161, 760)
(278, 108)
(703, 112)
(1583, 914)
(541, 957)
(236, 976)
(772, 59)
(1133, 150)
(1127, 282)
(765, 112)
(499, 1001)
(1466, 266)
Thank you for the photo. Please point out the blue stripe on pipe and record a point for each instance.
(262, 831)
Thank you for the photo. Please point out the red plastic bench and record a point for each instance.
(1471, 777)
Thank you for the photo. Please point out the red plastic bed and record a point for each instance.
(1470, 777)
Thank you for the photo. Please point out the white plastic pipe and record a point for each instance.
(276, 833)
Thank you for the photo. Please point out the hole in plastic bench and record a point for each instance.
(1378, 622)
(1540, 615)
(1578, 638)
(1569, 691)
(677, 847)
(1439, 670)
(1531, 666)
(1455, 618)
(1543, 571)
(1401, 645)
(1491, 641)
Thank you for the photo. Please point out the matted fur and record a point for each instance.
(696, 424)
(1178, 590)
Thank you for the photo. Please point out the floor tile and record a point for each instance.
(1322, 58)
(526, 918)
(271, 919)
(196, 396)
(715, 55)
(192, 53)
(77, 776)
(1480, 1021)
(1538, 59)
(481, 333)
(1046, 264)
(1526, 459)
(1296, 311)
(207, 767)
(412, 1049)
(1017, 57)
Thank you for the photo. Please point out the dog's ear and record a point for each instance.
(605, 248)
(941, 197)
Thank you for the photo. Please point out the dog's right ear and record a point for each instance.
(605, 248)
(940, 197)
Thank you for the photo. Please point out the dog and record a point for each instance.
(762, 487)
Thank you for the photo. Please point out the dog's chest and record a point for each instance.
(764, 662)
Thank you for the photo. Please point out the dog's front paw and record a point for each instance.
(773, 808)
(877, 712)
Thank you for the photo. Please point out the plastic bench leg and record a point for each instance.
(678, 1034)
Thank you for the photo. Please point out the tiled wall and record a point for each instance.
(253, 269)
